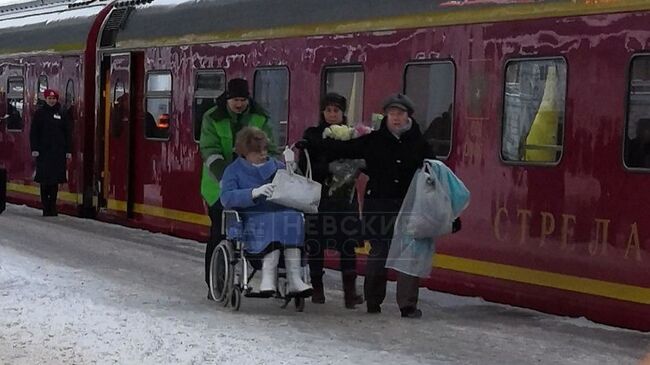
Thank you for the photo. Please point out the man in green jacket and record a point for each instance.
(234, 110)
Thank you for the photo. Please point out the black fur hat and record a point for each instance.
(238, 88)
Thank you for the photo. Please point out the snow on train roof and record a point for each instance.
(160, 22)
(187, 18)
(31, 26)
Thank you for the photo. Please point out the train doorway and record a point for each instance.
(115, 135)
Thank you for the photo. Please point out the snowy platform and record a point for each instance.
(76, 291)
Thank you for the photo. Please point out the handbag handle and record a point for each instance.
(427, 170)
(308, 173)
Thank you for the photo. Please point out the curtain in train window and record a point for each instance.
(158, 105)
(69, 94)
(41, 86)
(208, 86)
(637, 133)
(347, 81)
(120, 111)
(68, 101)
(15, 103)
(431, 87)
(272, 93)
(533, 117)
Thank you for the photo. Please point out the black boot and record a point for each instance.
(373, 308)
(411, 312)
(318, 295)
(52, 208)
(350, 296)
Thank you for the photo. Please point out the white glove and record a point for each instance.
(266, 190)
(68, 155)
(34, 153)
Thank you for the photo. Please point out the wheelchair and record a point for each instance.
(232, 269)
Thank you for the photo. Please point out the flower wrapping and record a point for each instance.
(344, 171)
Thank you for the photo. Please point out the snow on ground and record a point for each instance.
(76, 291)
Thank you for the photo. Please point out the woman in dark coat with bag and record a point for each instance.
(392, 155)
(50, 138)
(326, 230)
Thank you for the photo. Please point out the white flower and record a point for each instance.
(339, 132)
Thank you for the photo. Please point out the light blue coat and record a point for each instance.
(264, 222)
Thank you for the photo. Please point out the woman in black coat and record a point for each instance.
(50, 139)
(392, 155)
(325, 230)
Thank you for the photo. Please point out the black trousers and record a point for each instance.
(48, 198)
(374, 285)
(214, 212)
(316, 254)
(331, 230)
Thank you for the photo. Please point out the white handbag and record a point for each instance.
(296, 191)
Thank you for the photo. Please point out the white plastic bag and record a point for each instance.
(434, 199)
(426, 209)
(411, 256)
(295, 191)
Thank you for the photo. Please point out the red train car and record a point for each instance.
(542, 108)
(48, 44)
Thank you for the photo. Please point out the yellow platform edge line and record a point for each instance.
(629, 293)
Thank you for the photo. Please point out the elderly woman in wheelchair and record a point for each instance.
(265, 227)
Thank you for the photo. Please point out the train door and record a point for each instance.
(116, 147)
(68, 91)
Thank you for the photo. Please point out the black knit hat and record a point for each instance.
(400, 101)
(335, 99)
(237, 88)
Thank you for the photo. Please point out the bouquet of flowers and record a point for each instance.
(344, 171)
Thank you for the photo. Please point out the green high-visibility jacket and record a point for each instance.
(218, 129)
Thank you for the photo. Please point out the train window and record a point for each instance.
(158, 105)
(347, 81)
(637, 131)
(208, 86)
(272, 93)
(533, 115)
(431, 87)
(15, 103)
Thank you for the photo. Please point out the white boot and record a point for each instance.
(270, 272)
(294, 277)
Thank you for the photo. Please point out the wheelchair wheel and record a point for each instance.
(235, 298)
(300, 304)
(221, 272)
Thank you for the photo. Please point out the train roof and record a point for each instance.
(46, 25)
(168, 22)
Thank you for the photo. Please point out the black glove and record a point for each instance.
(302, 144)
(456, 226)
(216, 168)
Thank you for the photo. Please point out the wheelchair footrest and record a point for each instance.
(258, 295)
